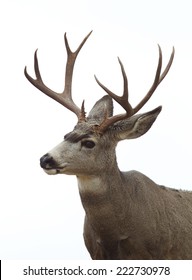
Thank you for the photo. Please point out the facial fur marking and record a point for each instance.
(74, 137)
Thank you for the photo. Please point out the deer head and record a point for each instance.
(90, 147)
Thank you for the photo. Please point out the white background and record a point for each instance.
(41, 216)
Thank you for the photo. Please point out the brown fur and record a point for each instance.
(155, 222)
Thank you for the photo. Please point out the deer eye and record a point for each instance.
(88, 144)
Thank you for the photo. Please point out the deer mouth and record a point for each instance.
(50, 171)
(54, 171)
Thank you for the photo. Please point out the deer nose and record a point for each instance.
(47, 161)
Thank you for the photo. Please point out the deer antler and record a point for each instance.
(64, 98)
(123, 100)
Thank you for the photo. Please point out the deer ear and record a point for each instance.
(136, 125)
(102, 107)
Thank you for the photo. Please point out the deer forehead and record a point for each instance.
(85, 130)
(82, 133)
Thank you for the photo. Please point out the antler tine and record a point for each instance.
(123, 100)
(38, 82)
(71, 57)
(158, 79)
(64, 98)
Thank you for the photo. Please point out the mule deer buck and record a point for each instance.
(128, 216)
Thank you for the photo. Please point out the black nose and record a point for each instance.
(47, 161)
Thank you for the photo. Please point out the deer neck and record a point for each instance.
(101, 196)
